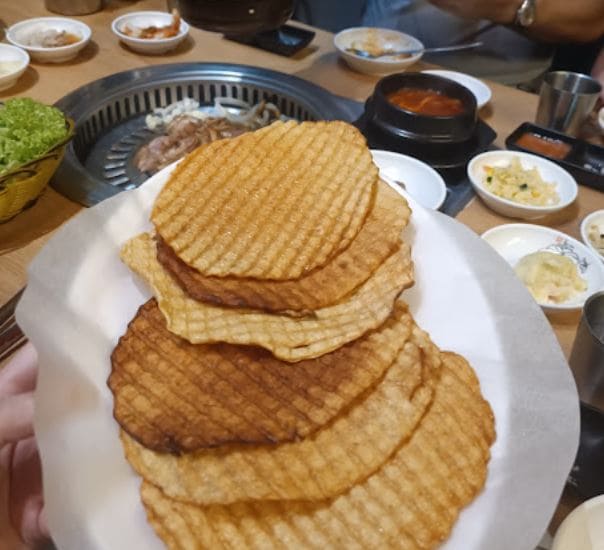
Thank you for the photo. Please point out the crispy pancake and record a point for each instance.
(173, 396)
(291, 339)
(320, 466)
(272, 204)
(377, 239)
(410, 503)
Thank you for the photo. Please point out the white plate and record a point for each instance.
(595, 217)
(566, 186)
(420, 181)
(18, 34)
(142, 19)
(465, 296)
(516, 240)
(385, 38)
(480, 90)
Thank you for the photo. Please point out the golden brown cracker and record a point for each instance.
(273, 204)
(377, 239)
(291, 339)
(173, 396)
(412, 502)
(319, 466)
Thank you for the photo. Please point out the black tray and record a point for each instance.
(286, 40)
(441, 156)
(459, 188)
(585, 161)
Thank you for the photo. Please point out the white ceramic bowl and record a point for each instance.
(566, 186)
(516, 240)
(481, 91)
(381, 38)
(601, 118)
(583, 528)
(18, 35)
(420, 181)
(142, 19)
(596, 217)
(18, 59)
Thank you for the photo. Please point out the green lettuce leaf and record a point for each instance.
(27, 130)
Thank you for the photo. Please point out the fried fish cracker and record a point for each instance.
(320, 466)
(272, 204)
(173, 396)
(290, 339)
(377, 239)
(411, 503)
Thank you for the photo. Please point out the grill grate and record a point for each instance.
(110, 126)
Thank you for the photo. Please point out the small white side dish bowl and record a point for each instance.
(142, 19)
(415, 178)
(596, 217)
(18, 61)
(566, 186)
(356, 37)
(583, 528)
(19, 34)
(481, 91)
(515, 240)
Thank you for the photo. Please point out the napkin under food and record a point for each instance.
(80, 298)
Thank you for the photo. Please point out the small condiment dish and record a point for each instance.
(566, 186)
(144, 19)
(13, 62)
(516, 240)
(481, 91)
(377, 40)
(415, 178)
(597, 218)
(23, 33)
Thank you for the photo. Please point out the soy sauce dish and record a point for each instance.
(521, 185)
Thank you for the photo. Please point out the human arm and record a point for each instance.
(556, 20)
(22, 519)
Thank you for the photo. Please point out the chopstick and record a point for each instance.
(11, 336)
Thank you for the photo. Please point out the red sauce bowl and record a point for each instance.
(405, 120)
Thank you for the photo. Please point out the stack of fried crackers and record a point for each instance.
(276, 392)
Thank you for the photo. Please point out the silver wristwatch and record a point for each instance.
(525, 16)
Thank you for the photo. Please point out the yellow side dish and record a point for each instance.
(514, 183)
(551, 278)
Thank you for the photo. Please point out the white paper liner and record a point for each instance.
(80, 298)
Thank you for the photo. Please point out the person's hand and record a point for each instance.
(499, 11)
(22, 518)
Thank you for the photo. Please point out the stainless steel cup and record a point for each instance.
(565, 101)
(587, 356)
